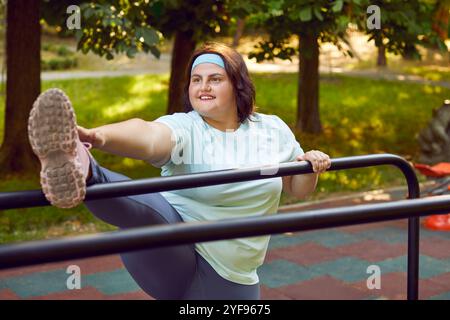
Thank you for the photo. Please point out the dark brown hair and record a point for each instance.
(237, 71)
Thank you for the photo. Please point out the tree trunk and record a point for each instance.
(308, 117)
(240, 25)
(182, 50)
(410, 52)
(23, 85)
(381, 58)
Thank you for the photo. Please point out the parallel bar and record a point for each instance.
(34, 198)
(35, 252)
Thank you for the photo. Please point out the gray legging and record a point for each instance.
(164, 273)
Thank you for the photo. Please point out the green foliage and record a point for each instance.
(59, 64)
(57, 58)
(62, 51)
(404, 25)
(116, 27)
(110, 27)
(107, 27)
(328, 20)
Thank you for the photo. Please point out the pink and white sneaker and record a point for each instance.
(53, 135)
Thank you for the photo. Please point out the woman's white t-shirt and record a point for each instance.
(262, 140)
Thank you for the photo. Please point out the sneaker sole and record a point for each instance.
(53, 136)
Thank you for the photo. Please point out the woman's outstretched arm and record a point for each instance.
(134, 138)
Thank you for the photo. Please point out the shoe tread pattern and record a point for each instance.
(53, 137)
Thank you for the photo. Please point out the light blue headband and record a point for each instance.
(208, 58)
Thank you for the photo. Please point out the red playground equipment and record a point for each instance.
(441, 172)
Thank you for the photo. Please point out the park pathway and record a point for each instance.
(162, 66)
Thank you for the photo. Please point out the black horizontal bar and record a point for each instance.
(33, 198)
(35, 252)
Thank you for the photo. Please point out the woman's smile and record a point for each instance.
(206, 97)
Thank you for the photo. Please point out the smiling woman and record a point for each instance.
(221, 130)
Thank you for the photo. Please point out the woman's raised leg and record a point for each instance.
(164, 273)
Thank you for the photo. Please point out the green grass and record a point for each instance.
(434, 68)
(433, 73)
(359, 116)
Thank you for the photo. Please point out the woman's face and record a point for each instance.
(211, 91)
